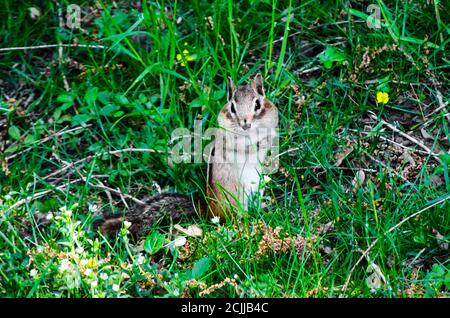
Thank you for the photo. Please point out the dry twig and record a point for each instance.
(90, 157)
(414, 140)
(50, 46)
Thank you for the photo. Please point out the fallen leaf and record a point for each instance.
(376, 280)
(407, 158)
(436, 181)
(373, 282)
(324, 228)
(442, 242)
(359, 179)
(4, 167)
(192, 230)
(340, 156)
(179, 241)
(425, 134)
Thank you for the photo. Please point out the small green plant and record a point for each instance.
(437, 279)
(331, 55)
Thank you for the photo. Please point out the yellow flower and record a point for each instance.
(382, 97)
(185, 57)
(92, 263)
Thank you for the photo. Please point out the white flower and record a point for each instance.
(35, 13)
(7, 197)
(83, 262)
(141, 259)
(87, 271)
(103, 276)
(115, 287)
(65, 264)
(94, 284)
(215, 220)
(65, 211)
(92, 207)
(49, 216)
(267, 179)
(79, 250)
(40, 249)
(127, 224)
(33, 272)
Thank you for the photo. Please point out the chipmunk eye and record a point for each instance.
(257, 105)
(233, 110)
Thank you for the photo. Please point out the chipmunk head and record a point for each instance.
(245, 103)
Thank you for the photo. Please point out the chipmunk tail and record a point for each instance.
(142, 217)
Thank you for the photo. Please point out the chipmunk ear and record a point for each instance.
(258, 84)
(230, 88)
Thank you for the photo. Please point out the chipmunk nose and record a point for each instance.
(246, 126)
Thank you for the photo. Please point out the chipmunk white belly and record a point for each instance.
(248, 166)
(250, 177)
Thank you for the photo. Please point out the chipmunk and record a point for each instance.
(248, 122)
(236, 163)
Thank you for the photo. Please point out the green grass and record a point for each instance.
(135, 91)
